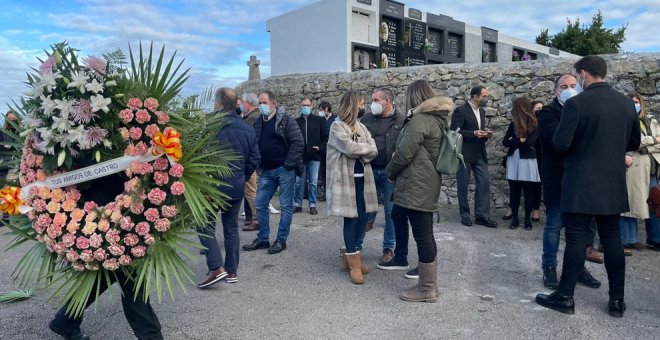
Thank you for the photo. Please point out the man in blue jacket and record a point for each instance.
(241, 138)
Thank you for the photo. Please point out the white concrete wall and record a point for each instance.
(311, 39)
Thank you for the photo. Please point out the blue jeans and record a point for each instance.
(310, 170)
(629, 230)
(653, 223)
(551, 234)
(269, 181)
(229, 217)
(355, 227)
(384, 188)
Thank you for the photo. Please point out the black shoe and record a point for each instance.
(391, 265)
(202, 252)
(550, 277)
(413, 273)
(313, 211)
(514, 224)
(528, 226)
(466, 221)
(507, 217)
(557, 301)
(277, 247)
(486, 222)
(256, 244)
(73, 334)
(616, 308)
(297, 210)
(587, 279)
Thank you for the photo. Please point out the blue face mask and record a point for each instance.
(264, 109)
(638, 107)
(306, 110)
(242, 107)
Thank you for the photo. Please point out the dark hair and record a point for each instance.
(592, 64)
(417, 93)
(522, 116)
(325, 105)
(227, 98)
(534, 102)
(559, 78)
(303, 98)
(270, 94)
(386, 93)
(476, 91)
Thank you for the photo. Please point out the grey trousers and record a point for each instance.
(482, 191)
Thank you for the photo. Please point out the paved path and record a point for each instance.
(301, 293)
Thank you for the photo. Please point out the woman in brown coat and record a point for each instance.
(351, 191)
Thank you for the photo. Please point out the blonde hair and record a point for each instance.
(349, 105)
(642, 103)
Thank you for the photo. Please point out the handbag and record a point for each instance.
(654, 200)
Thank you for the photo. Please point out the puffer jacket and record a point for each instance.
(417, 184)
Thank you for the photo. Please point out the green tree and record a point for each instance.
(585, 40)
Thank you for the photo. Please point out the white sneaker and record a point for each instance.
(243, 213)
(272, 209)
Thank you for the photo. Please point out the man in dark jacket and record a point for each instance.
(315, 140)
(325, 112)
(281, 147)
(250, 113)
(596, 129)
(470, 118)
(384, 123)
(551, 172)
(242, 140)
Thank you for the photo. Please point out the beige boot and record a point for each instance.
(425, 289)
(354, 264)
(344, 266)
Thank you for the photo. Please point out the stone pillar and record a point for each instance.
(253, 63)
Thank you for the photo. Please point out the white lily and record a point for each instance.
(49, 80)
(45, 133)
(107, 143)
(100, 103)
(76, 135)
(110, 83)
(47, 105)
(94, 86)
(79, 80)
(43, 147)
(61, 124)
(60, 158)
(65, 107)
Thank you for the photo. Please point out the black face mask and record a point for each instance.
(238, 110)
(483, 103)
(361, 112)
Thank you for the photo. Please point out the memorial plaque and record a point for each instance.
(391, 8)
(436, 39)
(415, 14)
(455, 45)
(489, 34)
(409, 59)
(390, 32)
(414, 36)
(393, 57)
(489, 52)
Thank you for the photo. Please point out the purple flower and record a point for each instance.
(95, 64)
(47, 66)
(82, 112)
(93, 136)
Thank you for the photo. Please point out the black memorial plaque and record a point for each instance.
(436, 39)
(415, 14)
(391, 8)
(455, 45)
(414, 36)
(410, 59)
(489, 52)
(393, 57)
(393, 29)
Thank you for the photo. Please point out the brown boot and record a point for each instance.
(425, 289)
(593, 256)
(343, 265)
(355, 267)
(252, 227)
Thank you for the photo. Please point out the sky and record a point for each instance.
(216, 37)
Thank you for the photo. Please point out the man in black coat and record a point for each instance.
(596, 129)
(280, 146)
(315, 139)
(241, 138)
(325, 112)
(471, 119)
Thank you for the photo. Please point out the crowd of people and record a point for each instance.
(564, 154)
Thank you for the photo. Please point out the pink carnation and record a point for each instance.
(139, 251)
(130, 151)
(132, 184)
(69, 240)
(156, 196)
(43, 221)
(95, 240)
(176, 170)
(160, 164)
(162, 225)
(123, 132)
(178, 188)
(142, 116)
(148, 239)
(169, 211)
(142, 228)
(116, 250)
(87, 256)
(163, 117)
(151, 104)
(103, 225)
(111, 264)
(141, 148)
(112, 236)
(73, 194)
(79, 267)
(39, 205)
(161, 178)
(89, 205)
(126, 115)
(135, 133)
(151, 130)
(146, 168)
(131, 240)
(134, 103)
(126, 223)
(82, 242)
(100, 255)
(137, 208)
(125, 260)
(54, 231)
(72, 256)
(151, 214)
(76, 214)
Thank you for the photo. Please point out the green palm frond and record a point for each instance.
(161, 83)
(15, 296)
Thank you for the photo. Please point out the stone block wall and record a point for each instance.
(505, 81)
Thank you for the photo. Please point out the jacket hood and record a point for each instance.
(441, 106)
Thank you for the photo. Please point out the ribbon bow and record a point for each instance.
(169, 143)
(10, 200)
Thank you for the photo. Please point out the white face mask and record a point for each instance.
(566, 95)
(376, 109)
(579, 87)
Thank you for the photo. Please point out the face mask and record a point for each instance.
(638, 107)
(361, 112)
(321, 113)
(264, 109)
(567, 94)
(579, 88)
(241, 108)
(306, 110)
(376, 109)
(483, 103)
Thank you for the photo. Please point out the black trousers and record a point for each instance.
(578, 236)
(422, 229)
(530, 190)
(140, 316)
